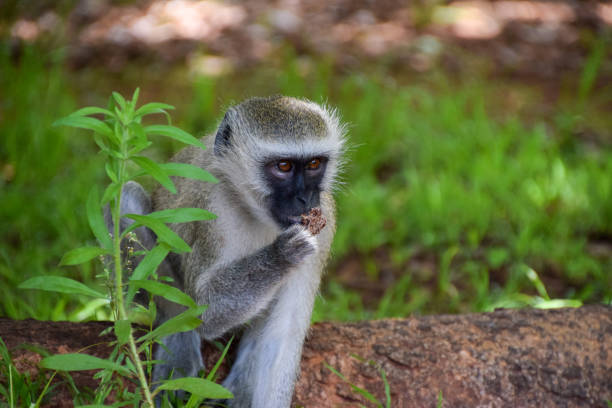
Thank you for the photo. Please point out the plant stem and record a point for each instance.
(141, 374)
(119, 301)
(11, 398)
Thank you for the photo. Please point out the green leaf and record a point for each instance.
(139, 147)
(164, 234)
(111, 172)
(134, 100)
(153, 107)
(591, 68)
(152, 310)
(555, 303)
(198, 386)
(154, 170)
(92, 110)
(176, 215)
(111, 192)
(383, 375)
(122, 330)
(85, 122)
(80, 255)
(120, 100)
(150, 262)
(138, 141)
(96, 220)
(174, 133)
(213, 372)
(535, 279)
(79, 362)
(188, 171)
(138, 131)
(166, 291)
(107, 149)
(101, 144)
(60, 284)
(355, 388)
(188, 320)
(119, 113)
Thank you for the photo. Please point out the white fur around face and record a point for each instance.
(252, 151)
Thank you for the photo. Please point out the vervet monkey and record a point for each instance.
(255, 266)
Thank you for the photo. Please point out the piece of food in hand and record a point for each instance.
(314, 221)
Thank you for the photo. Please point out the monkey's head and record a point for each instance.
(279, 154)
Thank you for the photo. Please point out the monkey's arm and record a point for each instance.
(238, 291)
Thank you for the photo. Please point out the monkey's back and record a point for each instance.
(190, 194)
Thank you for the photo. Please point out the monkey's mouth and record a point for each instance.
(298, 219)
(287, 220)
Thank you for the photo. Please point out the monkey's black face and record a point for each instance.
(295, 185)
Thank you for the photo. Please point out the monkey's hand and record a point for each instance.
(295, 243)
(238, 291)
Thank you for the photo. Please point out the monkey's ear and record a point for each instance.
(224, 134)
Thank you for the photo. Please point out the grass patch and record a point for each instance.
(490, 198)
(464, 185)
(44, 174)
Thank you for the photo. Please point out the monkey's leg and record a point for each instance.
(181, 355)
(267, 364)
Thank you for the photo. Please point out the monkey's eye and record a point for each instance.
(313, 164)
(284, 166)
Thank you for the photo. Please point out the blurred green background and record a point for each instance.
(474, 181)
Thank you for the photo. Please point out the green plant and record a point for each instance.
(473, 195)
(440, 164)
(541, 301)
(17, 388)
(121, 137)
(196, 399)
(20, 389)
(42, 173)
(361, 391)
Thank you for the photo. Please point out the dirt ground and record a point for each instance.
(508, 358)
(536, 39)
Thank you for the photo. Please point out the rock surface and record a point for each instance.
(508, 358)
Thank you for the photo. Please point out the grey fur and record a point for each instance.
(253, 275)
(134, 200)
(283, 118)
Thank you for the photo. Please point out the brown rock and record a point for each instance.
(508, 358)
